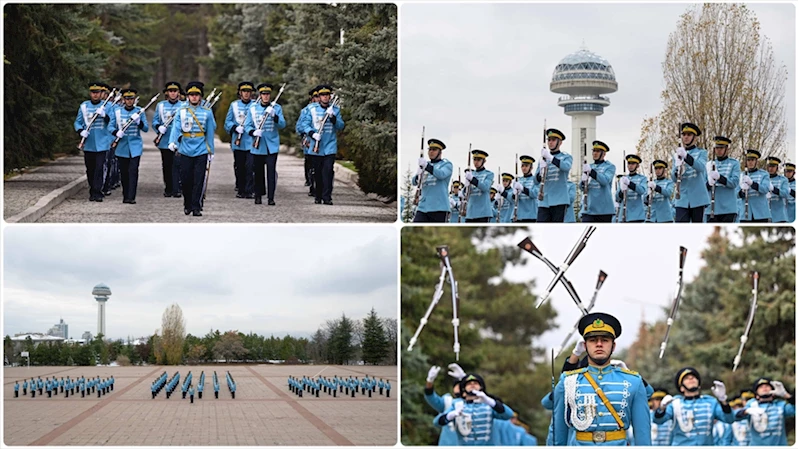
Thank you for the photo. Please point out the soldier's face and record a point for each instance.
(194, 98)
(479, 162)
(655, 403)
(553, 143)
(315, 99)
(687, 138)
(471, 386)
(526, 168)
(506, 183)
(689, 381)
(751, 162)
(95, 95)
(659, 172)
(246, 94)
(764, 390)
(720, 150)
(599, 347)
(433, 153)
(597, 154)
(456, 189)
(772, 169)
(265, 97)
(632, 166)
(789, 173)
(492, 195)
(129, 101)
(172, 94)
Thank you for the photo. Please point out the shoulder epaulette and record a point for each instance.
(625, 370)
(575, 371)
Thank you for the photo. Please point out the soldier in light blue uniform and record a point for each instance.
(164, 111)
(454, 202)
(692, 413)
(25, 387)
(600, 181)
(662, 188)
(661, 434)
(325, 157)
(515, 433)
(569, 216)
(722, 433)
(433, 202)
(269, 144)
(474, 415)
(790, 205)
(16, 389)
(725, 178)
(478, 182)
(216, 386)
(234, 125)
(601, 401)
(98, 140)
(779, 192)
(767, 412)
(305, 141)
(754, 187)
(508, 199)
(492, 194)
(556, 194)
(635, 186)
(130, 147)
(191, 393)
(193, 138)
(693, 187)
(527, 189)
(740, 429)
(201, 385)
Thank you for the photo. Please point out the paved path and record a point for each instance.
(264, 412)
(221, 206)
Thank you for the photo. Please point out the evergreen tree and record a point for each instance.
(375, 343)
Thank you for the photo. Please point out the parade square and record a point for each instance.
(264, 412)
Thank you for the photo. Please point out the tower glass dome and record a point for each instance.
(583, 73)
(101, 290)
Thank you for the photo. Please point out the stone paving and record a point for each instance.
(350, 205)
(264, 412)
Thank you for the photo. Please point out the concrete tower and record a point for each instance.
(101, 293)
(584, 77)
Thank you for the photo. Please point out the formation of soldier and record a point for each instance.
(110, 124)
(696, 189)
(188, 388)
(332, 386)
(52, 386)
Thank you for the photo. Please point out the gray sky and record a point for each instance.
(275, 279)
(642, 272)
(480, 73)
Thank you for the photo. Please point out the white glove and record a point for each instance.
(101, 111)
(678, 162)
(779, 389)
(173, 146)
(419, 172)
(744, 186)
(681, 153)
(330, 111)
(754, 411)
(461, 194)
(433, 373)
(714, 175)
(584, 177)
(269, 110)
(316, 136)
(84, 133)
(469, 176)
(258, 133)
(457, 412)
(452, 203)
(719, 390)
(542, 164)
(710, 181)
(518, 187)
(210, 158)
(619, 364)
(456, 371)
(498, 187)
(651, 185)
(586, 168)
(770, 187)
(136, 117)
(746, 179)
(483, 398)
(120, 134)
(624, 183)
(579, 348)
(768, 196)
(240, 129)
(546, 155)
(162, 129)
(423, 163)
(666, 400)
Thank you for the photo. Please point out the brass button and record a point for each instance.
(600, 377)
(601, 413)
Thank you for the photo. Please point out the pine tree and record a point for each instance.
(375, 344)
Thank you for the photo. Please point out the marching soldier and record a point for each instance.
(790, 205)
(556, 195)
(693, 191)
(194, 140)
(433, 202)
(634, 185)
(725, 178)
(527, 189)
(779, 191)
(305, 142)
(662, 188)
(234, 124)
(601, 401)
(474, 414)
(479, 181)
(98, 140)
(692, 413)
(508, 199)
(16, 389)
(164, 111)
(740, 429)
(767, 412)
(661, 434)
(270, 118)
(754, 187)
(454, 202)
(130, 147)
(492, 195)
(324, 142)
(25, 387)
(599, 177)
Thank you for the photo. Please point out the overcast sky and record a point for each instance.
(480, 73)
(642, 269)
(275, 279)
